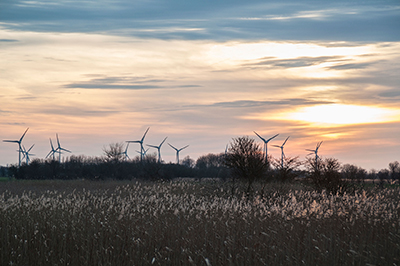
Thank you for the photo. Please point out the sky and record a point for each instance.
(202, 73)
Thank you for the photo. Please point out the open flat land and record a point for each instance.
(187, 222)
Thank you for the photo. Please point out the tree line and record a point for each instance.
(243, 162)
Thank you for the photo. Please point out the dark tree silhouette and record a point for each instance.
(246, 161)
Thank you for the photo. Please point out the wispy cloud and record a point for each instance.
(295, 62)
(221, 20)
(126, 83)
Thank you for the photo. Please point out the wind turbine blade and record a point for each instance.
(285, 141)
(23, 135)
(153, 146)
(163, 142)
(145, 134)
(31, 148)
(51, 144)
(13, 141)
(272, 138)
(184, 147)
(65, 150)
(277, 146)
(319, 145)
(310, 150)
(259, 136)
(134, 141)
(173, 147)
(58, 141)
(48, 154)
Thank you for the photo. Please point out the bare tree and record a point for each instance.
(287, 168)
(114, 152)
(326, 175)
(246, 161)
(394, 169)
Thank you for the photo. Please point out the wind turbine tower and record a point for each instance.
(159, 149)
(20, 150)
(59, 149)
(266, 144)
(177, 151)
(316, 153)
(141, 143)
(282, 153)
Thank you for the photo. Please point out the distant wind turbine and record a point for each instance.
(125, 153)
(282, 153)
(141, 143)
(144, 152)
(177, 151)
(266, 144)
(27, 154)
(52, 152)
(19, 146)
(59, 149)
(159, 149)
(316, 153)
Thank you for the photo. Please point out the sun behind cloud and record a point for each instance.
(343, 114)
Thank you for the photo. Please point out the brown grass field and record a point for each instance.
(187, 222)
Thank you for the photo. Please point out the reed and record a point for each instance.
(190, 223)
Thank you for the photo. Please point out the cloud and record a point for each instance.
(8, 40)
(296, 62)
(125, 83)
(218, 20)
(351, 66)
(251, 104)
(395, 93)
(76, 111)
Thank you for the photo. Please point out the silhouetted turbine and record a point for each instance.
(159, 149)
(52, 152)
(27, 154)
(266, 144)
(19, 146)
(125, 153)
(141, 143)
(59, 149)
(316, 153)
(282, 153)
(177, 151)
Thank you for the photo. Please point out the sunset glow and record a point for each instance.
(341, 114)
(201, 74)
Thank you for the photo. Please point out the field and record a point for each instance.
(194, 223)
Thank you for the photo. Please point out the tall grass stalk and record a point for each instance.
(187, 223)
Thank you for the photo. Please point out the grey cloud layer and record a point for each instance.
(125, 83)
(219, 20)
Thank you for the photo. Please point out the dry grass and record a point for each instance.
(189, 223)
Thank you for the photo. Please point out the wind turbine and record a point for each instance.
(126, 152)
(141, 143)
(316, 153)
(283, 154)
(266, 144)
(52, 152)
(27, 154)
(177, 151)
(159, 149)
(143, 152)
(19, 146)
(59, 149)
